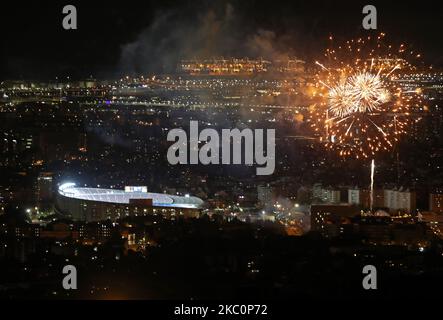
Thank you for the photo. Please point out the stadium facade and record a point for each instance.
(98, 204)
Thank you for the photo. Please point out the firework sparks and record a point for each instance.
(362, 106)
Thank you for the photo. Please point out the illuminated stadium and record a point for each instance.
(96, 204)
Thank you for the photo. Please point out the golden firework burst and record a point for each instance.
(362, 106)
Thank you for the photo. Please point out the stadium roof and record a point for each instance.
(121, 197)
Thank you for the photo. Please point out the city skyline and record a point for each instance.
(194, 150)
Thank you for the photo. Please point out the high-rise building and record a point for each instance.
(362, 198)
(44, 190)
(400, 200)
(358, 197)
(325, 195)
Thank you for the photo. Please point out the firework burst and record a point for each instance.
(362, 105)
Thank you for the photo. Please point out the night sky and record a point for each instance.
(146, 36)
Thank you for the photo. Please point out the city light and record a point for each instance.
(198, 151)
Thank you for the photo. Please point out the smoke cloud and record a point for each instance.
(216, 32)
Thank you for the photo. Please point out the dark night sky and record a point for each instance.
(143, 36)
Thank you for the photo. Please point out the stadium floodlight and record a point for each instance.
(66, 186)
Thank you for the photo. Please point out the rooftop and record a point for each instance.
(122, 197)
